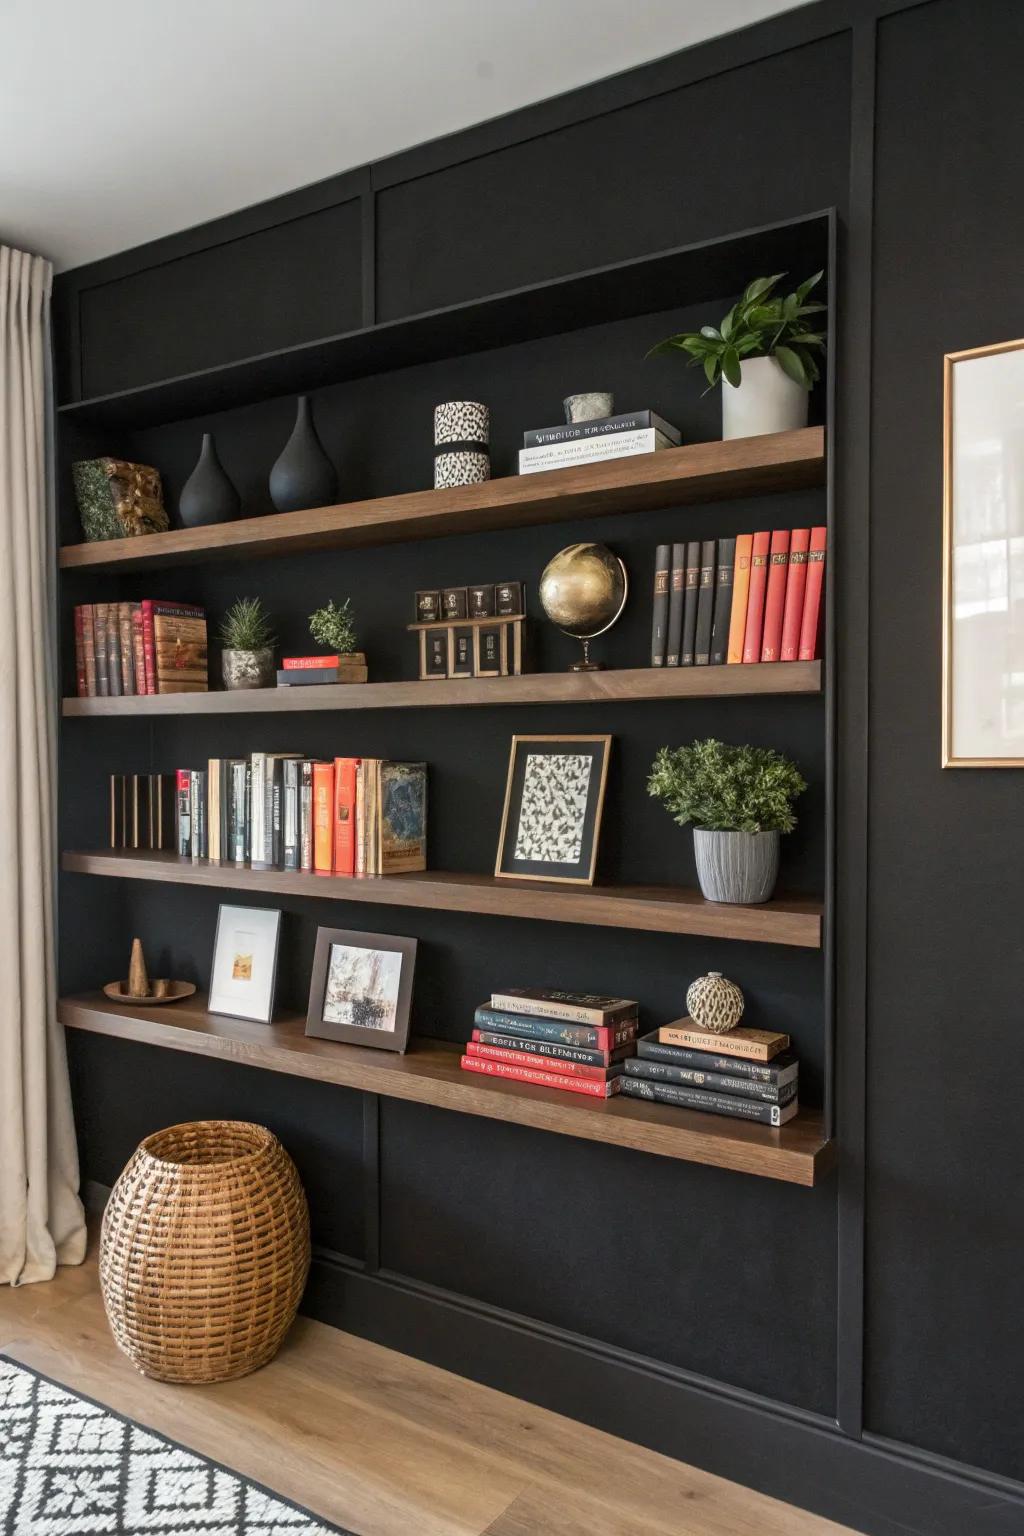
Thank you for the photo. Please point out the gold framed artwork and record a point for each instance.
(554, 798)
(983, 558)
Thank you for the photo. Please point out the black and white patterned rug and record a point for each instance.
(70, 1467)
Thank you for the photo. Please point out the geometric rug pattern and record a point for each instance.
(69, 1467)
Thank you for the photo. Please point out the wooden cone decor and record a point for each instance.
(138, 976)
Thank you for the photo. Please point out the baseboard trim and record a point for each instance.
(804, 1459)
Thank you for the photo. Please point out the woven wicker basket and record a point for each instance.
(205, 1251)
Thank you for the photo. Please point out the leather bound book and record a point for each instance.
(705, 604)
(810, 627)
(659, 623)
(114, 651)
(723, 601)
(775, 595)
(796, 581)
(80, 686)
(740, 590)
(89, 647)
(676, 589)
(754, 627)
(691, 587)
(139, 650)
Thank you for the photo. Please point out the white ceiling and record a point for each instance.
(124, 120)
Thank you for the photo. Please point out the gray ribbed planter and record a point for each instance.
(736, 866)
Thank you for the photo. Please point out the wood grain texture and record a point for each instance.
(532, 688)
(430, 1074)
(700, 472)
(651, 909)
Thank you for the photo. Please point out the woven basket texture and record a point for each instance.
(204, 1251)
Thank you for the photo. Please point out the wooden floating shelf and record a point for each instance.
(641, 683)
(700, 472)
(651, 909)
(430, 1074)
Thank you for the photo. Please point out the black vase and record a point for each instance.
(303, 476)
(208, 496)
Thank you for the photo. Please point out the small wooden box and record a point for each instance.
(472, 648)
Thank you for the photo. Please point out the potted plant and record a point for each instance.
(764, 354)
(739, 799)
(334, 628)
(247, 658)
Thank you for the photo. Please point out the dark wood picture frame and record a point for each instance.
(396, 1039)
(582, 871)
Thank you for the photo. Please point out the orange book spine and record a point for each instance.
(775, 595)
(754, 626)
(345, 815)
(323, 818)
(796, 581)
(810, 627)
(740, 593)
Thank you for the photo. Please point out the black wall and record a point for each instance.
(857, 1347)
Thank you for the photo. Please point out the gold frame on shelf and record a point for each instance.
(605, 743)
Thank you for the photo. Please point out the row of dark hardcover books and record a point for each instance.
(756, 597)
(136, 648)
(280, 810)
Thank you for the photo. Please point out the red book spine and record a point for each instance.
(307, 663)
(149, 645)
(775, 595)
(538, 1078)
(80, 684)
(345, 815)
(323, 818)
(810, 627)
(755, 597)
(796, 581)
(183, 797)
(89, 647)
(550, 1063)
(139, 650)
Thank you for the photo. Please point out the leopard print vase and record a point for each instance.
(462, 431)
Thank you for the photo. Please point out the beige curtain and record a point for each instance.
(41, 1220)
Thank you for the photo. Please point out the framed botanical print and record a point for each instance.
(361, 990)
(983, 558)
(244, 970)
(553, 804)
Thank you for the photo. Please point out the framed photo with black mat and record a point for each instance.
(244, 972)
(361, 990)
(553, 804)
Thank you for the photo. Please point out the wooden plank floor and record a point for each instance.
(387, 1446)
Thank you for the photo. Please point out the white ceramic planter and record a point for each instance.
(766, 400)
(738, 867)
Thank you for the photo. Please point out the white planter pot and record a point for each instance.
(766, 400)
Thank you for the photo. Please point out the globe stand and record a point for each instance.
(586, 665)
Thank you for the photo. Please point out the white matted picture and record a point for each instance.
(553, 804)
(362, 988)
(244, 970)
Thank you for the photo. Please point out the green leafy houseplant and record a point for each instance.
(727, 789)
(246, 626)
(334, 628)
(761, 324)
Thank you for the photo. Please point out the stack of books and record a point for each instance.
(750, 1074)
(586, 442)
(308, 671)
(756, 597)
(280, 810)
(136, 648)
(578, 1042)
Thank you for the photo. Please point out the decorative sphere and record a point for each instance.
(714, 1002)
(583, 589)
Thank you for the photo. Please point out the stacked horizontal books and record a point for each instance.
(749, 1074)
(280, 810)
(135, 648)
(587, 442)
(308, 671)
(577, 1042)
(756, 597)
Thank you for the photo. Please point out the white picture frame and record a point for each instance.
(243, 975)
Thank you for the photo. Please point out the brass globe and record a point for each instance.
(583, 590)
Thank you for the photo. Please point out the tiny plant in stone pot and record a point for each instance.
(764, 353)
(739, 800)
(334, 628)
(247, 657)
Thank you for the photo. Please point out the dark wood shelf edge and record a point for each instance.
(614, 686)
(430, 1074)
(650, 909)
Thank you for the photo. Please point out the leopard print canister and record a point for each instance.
(463, 428)
(714, 1002)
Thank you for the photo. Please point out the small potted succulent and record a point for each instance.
(764, 354)
(247, 657)
(334, 628)
(739, 799)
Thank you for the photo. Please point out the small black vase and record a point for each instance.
(303, 476)
(208, 496)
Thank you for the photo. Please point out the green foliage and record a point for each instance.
(334, 628)
(727, 789)
(246, 626)
(761, 324)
